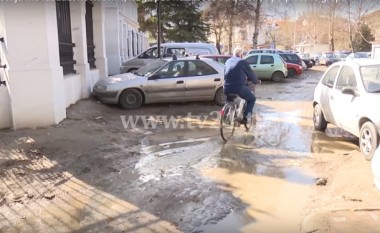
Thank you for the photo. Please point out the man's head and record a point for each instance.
(238, 52)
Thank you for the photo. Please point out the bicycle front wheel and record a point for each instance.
(250, 121)
(227, 122)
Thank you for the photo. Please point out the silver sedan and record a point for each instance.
(164, 80)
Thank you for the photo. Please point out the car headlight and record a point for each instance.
(100, 87)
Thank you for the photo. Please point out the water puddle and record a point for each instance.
(260, 168)
(231, 224)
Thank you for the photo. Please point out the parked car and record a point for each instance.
(264, 51)
(328, 58)
(347, 96)
(268, 66)
(164, 80)
(168, 50)
(219, 58)
(307, 59)
(358, 55)
(342, 55)
(291, 58)
(293, 70)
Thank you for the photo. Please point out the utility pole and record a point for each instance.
(158, 28)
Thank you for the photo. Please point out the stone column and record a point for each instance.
(78, 34)
(36, 77)
(98, 18)
(112, 40)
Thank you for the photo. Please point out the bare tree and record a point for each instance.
(215, 14)
(258, 12)
(355, 11)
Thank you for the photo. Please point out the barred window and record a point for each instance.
(90, 35)
(66, 52)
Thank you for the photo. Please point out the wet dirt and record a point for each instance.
(90, 174)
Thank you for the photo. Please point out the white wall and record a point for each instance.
(375, 54)
(120, 21)
(40, 93)
(36, 80)
(5, 108)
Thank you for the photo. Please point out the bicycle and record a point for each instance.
(232, 114)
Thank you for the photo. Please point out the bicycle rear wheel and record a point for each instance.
(227, 122)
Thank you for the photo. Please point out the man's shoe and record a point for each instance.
(244, 121)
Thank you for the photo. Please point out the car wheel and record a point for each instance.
(319, 120)
(220, 98)
(130, 99)
(291, 73)
(277, 76)
(368, 140)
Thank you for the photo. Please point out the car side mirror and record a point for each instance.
(349, 91)
(154, 77)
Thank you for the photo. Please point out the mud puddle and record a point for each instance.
(236, 184)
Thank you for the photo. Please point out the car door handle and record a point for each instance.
(254, 66)
(271, 65)
(217, 80)
(180, 82)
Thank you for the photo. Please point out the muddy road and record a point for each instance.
(94, 172)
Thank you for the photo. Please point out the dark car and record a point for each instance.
(328, 58)
(291, 58)
(308, 62)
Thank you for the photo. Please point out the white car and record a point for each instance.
(348, 96)
(358, 55)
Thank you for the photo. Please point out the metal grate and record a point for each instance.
(90, 35)
(66, 52)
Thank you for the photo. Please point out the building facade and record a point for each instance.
(52, 54)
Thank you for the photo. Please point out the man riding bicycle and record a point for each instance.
(237, 73)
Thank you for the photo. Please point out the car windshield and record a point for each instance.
(371, 78)
(148, 69)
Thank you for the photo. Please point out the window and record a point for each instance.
(284, 57)
(179, 52)
(150, 53)
(197, 68)
(330, 76)
(371, 77)
(252, 60)
(346, 78)
(90, 35)
(66, 52)
(173, 69)
(265, 59)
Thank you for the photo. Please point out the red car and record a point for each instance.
(293, 70)
(219, 58)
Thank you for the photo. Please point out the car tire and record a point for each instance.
(220, 98)
(131, 99)
(278, 76)
(291, 73)
(368, 140)
(319, 120)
